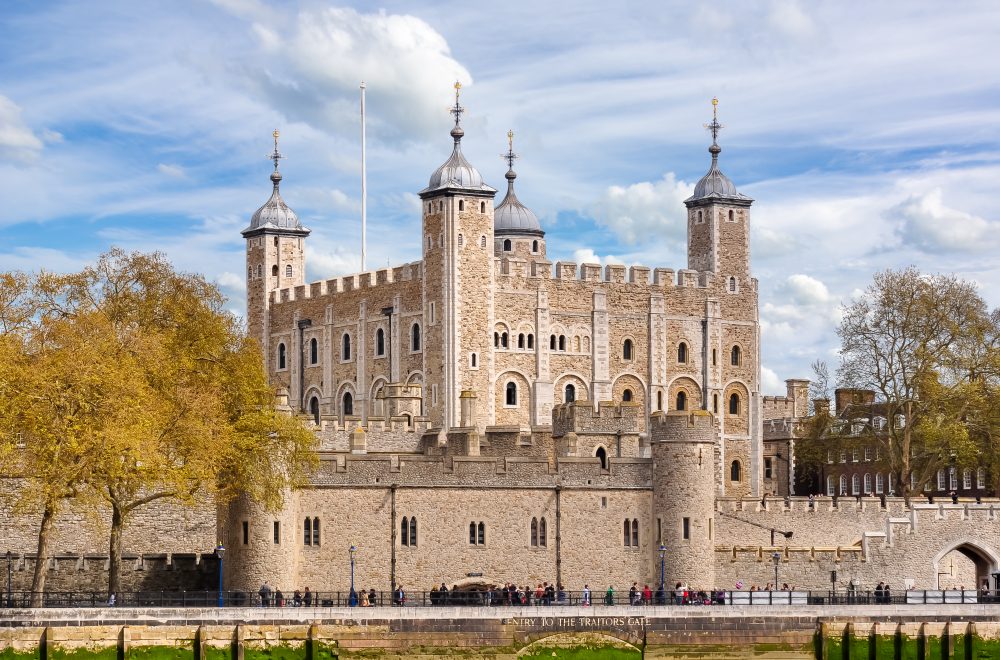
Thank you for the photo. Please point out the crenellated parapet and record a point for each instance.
(370, 280)
(579, 417)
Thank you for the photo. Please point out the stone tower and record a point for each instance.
(719, 221)
(458, 282)
(684, 466)
(275, 259)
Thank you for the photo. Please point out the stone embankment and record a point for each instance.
(776, 632)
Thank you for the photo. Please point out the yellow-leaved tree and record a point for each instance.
(196, 419)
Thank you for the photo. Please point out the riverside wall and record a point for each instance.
(786, 632)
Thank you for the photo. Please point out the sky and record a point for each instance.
(867, 132)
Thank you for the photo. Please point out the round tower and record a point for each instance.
(684, 456)
(261, 545)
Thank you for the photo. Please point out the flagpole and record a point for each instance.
(364, 181)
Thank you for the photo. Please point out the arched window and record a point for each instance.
(879, 483)
(734, 356)
(404, 531)
(482, 241)
(534, 246)
(472, 533)
(732, 285)
(541, 532)
(315, 531)
(635, 533)
(602, 455)
(380, 342)
(520, 340)
(281, 356)
(734, 404)
(855, 484)
(481, 533)
(552, 343)
(260, 270)
(314, 409)
(473, 360)
(461, 240)
(531, 340)
(413, 531)
(313, 351)
(627, 350)
(348, 404)
(967, 479)
(682, 352)
(415, 337)
(534, 532)
(274, 270)
(627, 529)
(735, 471)
(830, 486)
(843, 484)
(700, 217)
(482, 207)
(627, 395)
(981, 478)
(307, 529)
(288, 270)
(503, 340)
(715, 404)
(940, 479)
(461, 205)
(511, 394)
(346, 353)
(506, 245)
(730, 215)
(868, 484)
(570, 395)
(249, 272)
(496, 340)
(562, 342)
(682, 401)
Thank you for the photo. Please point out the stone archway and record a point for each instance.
(985, 561)
(598, 642)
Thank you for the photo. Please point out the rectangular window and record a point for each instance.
(967, 480)
(686, 532)
(940, 480)
(879, 484)
(433, 313)
(980, 478)
(868, 454)
(659, 530)
(952, 479)
(854, 455)
(843, 456)
(246, 532)
(768, 468)
(604, 503)
(829, 456)
(434, 395)
(277, 532)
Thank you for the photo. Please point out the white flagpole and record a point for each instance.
(364, 182)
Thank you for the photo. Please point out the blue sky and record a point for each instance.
(868, 133)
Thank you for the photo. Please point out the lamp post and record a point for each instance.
(776, 558)
(10, 601)
(220, 552)
(663, 556)
(352, 600)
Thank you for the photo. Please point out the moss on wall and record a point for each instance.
(582, 653)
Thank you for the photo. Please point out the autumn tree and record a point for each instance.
(927, 345)
(198, 420)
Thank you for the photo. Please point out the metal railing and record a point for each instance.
(497, 598)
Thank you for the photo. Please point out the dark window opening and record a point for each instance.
(281, 356)
(681, 400)
(511, 394)
(348, 404)
(735, 471)
(570, 396)
(602, 455)
(627, 350)
(686, 531)
(627, 395)
(246, 532)
(734, 404)
(682, 352)
(380, 342)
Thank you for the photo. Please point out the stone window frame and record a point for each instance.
(733, 285)
(375, 348)
(604, 459)
(534, 246)
(683, 350)
(482, 241)
(735, 401)
(344, 401)
(346, 348)
(314, 409)
(509, 388)
(474, 361)
(699, 218)
(569, 393)
(408, 529)
(768, 468)
(416, 332)
(736, 468)
(628, 349)
(482, 207)
(630, 533)
(314, 351)
(628, 396)
(288, 270)
(282, 357)
(507, 245)
(736, 355)
(477, 533)
(681, 399)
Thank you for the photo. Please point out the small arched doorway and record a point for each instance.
(955, 564)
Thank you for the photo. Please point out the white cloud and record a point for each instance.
(173, 171)
(924, 222)
(17, 140)
(312, 71)
(645, 211)
(806, 290)
(588, 256)
(770, 383)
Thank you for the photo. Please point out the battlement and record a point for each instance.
(509, 266)
(683, 426)
(786, 427)
(580, 417)
(348, 283)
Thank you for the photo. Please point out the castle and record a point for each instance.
(485, 416)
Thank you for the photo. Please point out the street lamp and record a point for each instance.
(663, 556)
(220, 552)
(352, 600)
(10, 601)
(776, 558)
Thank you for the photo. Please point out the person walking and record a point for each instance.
(609, 597)
(265, 594)
(586, 596)
(307, 597)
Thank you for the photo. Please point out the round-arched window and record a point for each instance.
(570, 396)
(735, 471)
(681, 400)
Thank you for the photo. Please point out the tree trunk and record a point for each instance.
(115, 549)
(42, 556)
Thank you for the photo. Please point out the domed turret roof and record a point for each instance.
(275, 214)
(457, 172)
(511, 216)
(715, 185)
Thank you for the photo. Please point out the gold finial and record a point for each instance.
(510, 156)
(715, 126)
(510, 139)
(276, 156)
